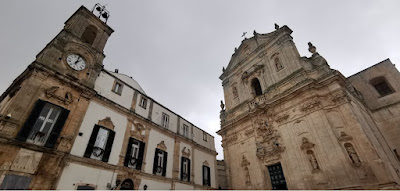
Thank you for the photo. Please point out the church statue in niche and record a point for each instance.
(248, 181)
(353, 154)
(313, 161)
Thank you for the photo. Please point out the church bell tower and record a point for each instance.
(77, 51)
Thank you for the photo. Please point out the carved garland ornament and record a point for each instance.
(282, 118)
(66, 99)
(310, 105)
(186, 152)
(139, 131)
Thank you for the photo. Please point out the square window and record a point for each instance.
(143, 102)
(117, 88)
(165, 120)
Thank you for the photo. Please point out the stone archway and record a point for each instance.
(127, 184)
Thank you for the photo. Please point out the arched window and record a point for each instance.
(255, 84)
(89, 34)
(381, 86)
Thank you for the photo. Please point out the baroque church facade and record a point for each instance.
(292, 122)
(68, 123)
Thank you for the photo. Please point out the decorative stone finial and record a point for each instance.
(223, 69)
(255, 33)
(222, 105)
(312, 48)
(276, 26)
(235, 49)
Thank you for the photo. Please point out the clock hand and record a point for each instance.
(77, 60)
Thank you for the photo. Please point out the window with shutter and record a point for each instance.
(44, 124)
(185, 169)
(100, 143)
(134, 154)
(206, 176)
(160, 162)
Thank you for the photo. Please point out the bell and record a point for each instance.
(99, 9)
(104, 15)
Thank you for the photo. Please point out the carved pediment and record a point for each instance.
(162, 146)
(186, 152)
(256, 43)
(205, 163)
(344, 137)
(306, 144)
(106, 122)
(138, 131)
(51, 93)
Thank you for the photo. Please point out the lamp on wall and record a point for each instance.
(145, 187)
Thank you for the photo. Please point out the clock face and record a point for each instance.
(76, 62)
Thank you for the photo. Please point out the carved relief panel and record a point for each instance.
(26, 161)
(268, 141)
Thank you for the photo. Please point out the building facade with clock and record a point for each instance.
(68, 123)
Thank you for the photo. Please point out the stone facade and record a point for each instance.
(292, 122)
(221, 173)
(65, 127)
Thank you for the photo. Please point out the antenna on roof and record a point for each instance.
(102, 12)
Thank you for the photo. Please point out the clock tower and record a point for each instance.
(77, 51)
(42, 110)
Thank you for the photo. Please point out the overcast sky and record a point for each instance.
(176, 49)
